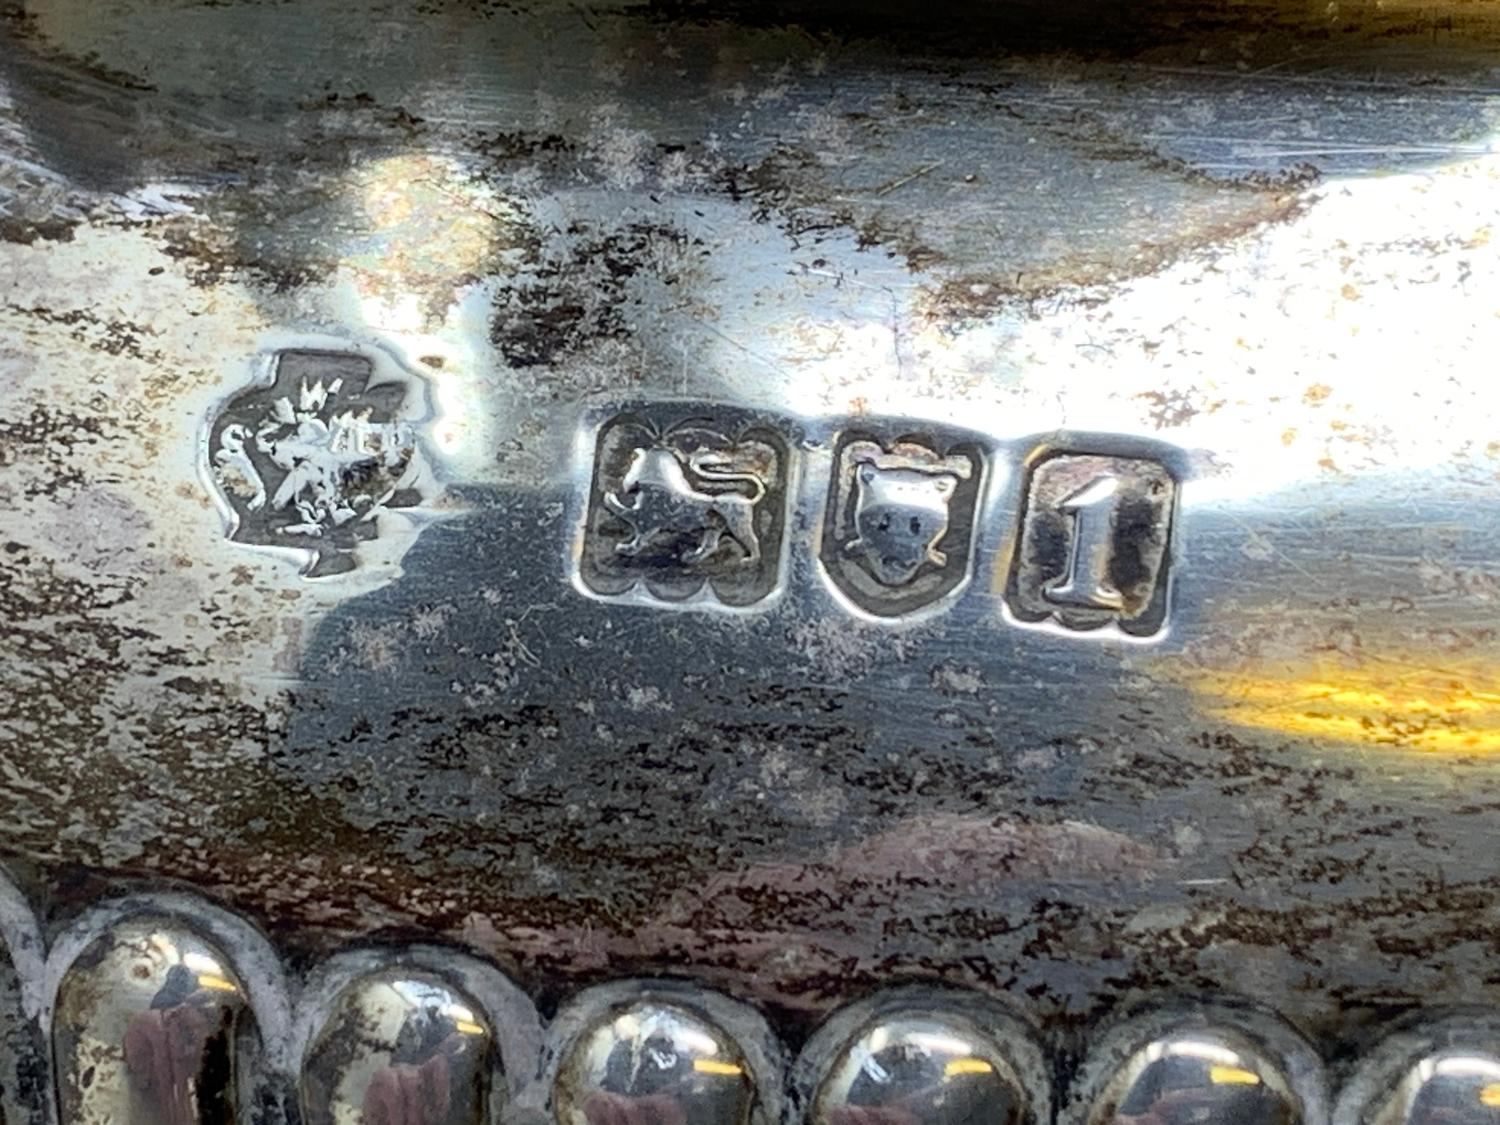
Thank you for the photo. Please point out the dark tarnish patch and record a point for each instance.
(793, 187)
(956, 855)
(28, 232)
(1180, 29)
(784, 188)
(68, 655)
(1092, 282)
(799, 935)
(235, 235)
(1262, 200)
(1136, 524)
(577, 290)
(51, 440)
(113, 337)
(517, 149)
(21, 28)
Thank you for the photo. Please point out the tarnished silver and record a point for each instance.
(399, 1048)
(918, 1054)
(145, 1029)
(26, 1095)
(654, 1063)
(1438, 1071)
(1450, 1087)
(1250, 246)
(1199, 1076)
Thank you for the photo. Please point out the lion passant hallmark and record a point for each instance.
(687, 503)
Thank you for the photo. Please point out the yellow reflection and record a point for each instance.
(459, 1013)
(216, 983)
(428, 226)
(714, 1066)
(1490, 1095)
(1393, 703)
(467, 1027)
(971, 1065)
(1232, 1076)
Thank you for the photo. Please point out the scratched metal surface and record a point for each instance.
(1261, 242)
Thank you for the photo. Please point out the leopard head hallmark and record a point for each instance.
(316, 459)
(900, 521)
(679, 506)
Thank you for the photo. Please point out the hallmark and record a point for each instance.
(899, 528)
(676, 507)
(1094, 540)
(312, 460)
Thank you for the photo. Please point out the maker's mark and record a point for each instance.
(312, 460)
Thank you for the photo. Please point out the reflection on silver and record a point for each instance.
(144, 1030)
(653, 1064)
(921, 1070)
(1451, 1087)
(1199, 1078)
(399, 1048)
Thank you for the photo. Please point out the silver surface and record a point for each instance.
(1254, 247)
(145, 1029)
(922, 1069)
(1214, 1058)
(1199, 1076)
(1442, 1068)
(399, 1048)
(1452, 1087)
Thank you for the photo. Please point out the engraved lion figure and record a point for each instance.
(656, 499)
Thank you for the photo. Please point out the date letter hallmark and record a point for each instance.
(674, 508)
(1094, 543)
(312, 460)
(899, 529)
